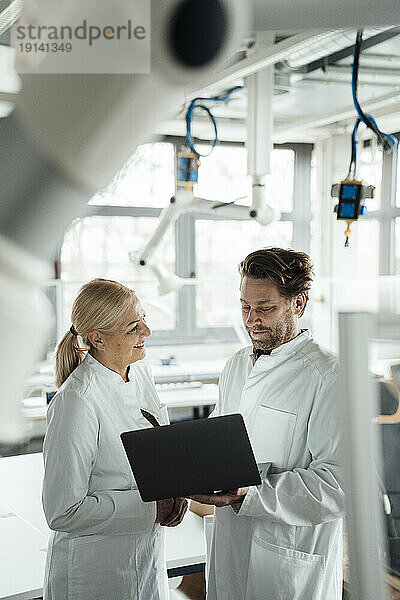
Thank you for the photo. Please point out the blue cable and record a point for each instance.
(188, 127)
(392, 138)
(195, 104)
(353, 162)
(388, 141)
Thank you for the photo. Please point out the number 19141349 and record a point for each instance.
(45, 47)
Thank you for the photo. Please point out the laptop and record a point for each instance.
(191, 457)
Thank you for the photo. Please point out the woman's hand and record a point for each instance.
(171, 512)
(222, 498)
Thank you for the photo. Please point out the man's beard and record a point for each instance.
(272, 337)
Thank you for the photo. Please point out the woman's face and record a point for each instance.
(127, 344)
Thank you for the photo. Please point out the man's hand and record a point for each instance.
(171, 512)
(222, 498)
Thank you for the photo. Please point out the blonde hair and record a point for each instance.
(99, 305)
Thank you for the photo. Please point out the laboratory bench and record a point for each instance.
(184, 400)
(24, 532)
(188, 388)
(179, 372)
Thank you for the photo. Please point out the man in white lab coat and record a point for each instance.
(281, 540)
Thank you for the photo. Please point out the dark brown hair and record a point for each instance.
(289, 270)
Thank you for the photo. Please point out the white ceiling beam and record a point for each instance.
(256, 61)
(387, 100)
(233, 130)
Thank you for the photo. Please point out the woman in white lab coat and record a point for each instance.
(106, 543)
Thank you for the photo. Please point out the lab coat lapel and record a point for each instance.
(266, 424)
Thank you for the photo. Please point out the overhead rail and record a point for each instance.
(307, 63)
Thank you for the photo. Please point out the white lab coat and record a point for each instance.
(105, 544)
(285, 541)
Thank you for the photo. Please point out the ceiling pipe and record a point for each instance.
(330, 47)
(366, 71)
(338, 45)
(10, 10)
(344, 78)
(254, 62)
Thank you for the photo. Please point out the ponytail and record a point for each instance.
(100, 305)
(68, 356)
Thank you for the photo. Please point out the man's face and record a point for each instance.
(270, 318)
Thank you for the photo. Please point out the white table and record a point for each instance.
(206, 372)
(194, 370)
(22, 557)
(24, 532)
(200, 370)
(204, 396)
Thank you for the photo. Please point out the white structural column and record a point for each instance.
(361, 458)
(259, 122)
(388, 204)
(260, 87)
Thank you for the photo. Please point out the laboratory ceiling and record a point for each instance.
(312, 95)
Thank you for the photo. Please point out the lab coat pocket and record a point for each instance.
(100, 567)
(272, 435)
(277, 573)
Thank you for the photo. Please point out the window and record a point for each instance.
(390, 214)
(221, 245)
(126, 215)
(370, 170)
(146, 180)
(371, 252)
(360, 260)
(398, 185)
(397, 246)
(356, 277)
(223, 177)
(108, 245)
(104, 247)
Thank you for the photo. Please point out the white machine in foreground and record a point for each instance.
(66, 139)
(362, 457)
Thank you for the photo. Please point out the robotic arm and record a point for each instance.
(259, 145)
(186, 202)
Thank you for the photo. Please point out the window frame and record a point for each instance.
(187, 331)
(387, 213)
